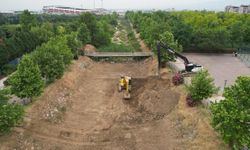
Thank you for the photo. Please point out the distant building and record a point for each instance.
(230, 8)
(227, 8)
(100, 11)
(243, 9)
(60, 10)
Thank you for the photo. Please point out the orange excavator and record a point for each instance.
(125, 86)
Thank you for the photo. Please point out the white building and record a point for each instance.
(243, 9)
(60, 10)
(234, 9)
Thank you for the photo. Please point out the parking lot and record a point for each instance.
(221, 66)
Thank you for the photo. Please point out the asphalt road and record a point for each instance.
(221, 66)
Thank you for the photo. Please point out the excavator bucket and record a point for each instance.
(126, 96)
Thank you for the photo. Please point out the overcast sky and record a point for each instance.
(6, 5)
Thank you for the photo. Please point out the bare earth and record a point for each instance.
(85, 111)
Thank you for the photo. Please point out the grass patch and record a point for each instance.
(113, 47)
(128, 42)
(133, 41)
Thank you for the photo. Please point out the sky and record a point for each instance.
(7, 5)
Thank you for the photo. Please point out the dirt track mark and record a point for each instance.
(96, 117)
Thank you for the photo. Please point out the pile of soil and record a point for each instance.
(88, 48)
(152, 99)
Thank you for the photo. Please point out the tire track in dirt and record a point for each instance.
(95, 115)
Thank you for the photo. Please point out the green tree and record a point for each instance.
(236, 33)
(52, 58)
(83, 34)
(59, 47)
(168, 38)
(102, 37)
(51, 66)
(246, 33)
(231, 117)
(60, 30)
(27, 20)
(4, 96)
(91, 22)
(10, 116)
(43, 33)
(73, 43)
(27, 81)
(202, 86)
(2, 19)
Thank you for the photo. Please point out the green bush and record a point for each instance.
(102, 36)
(133, 41)
(10, 116)
(27, 81)
(52, 58)
(113, 47)
(73, 43)
(4, 96)
(83, 34)
(202, 86)
(168, 38)
(231, 117)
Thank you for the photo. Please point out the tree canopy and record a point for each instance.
(27, 81)
(194, 30)
(231, 117)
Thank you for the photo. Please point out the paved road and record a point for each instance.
(221, 66)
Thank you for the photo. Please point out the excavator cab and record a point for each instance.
(125, 86)
(193, 67)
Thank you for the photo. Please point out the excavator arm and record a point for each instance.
(189, 67)
(161, 45)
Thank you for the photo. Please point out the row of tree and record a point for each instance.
(194, 30)
(46, 60)
(44, 65)
(34, 30)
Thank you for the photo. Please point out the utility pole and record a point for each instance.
(94, 4)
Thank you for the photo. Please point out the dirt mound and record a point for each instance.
(89, 48)
(61, 92)
(152, 99)
(71, 78)
(152, 65)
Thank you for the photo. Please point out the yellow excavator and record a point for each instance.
(125, 86)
